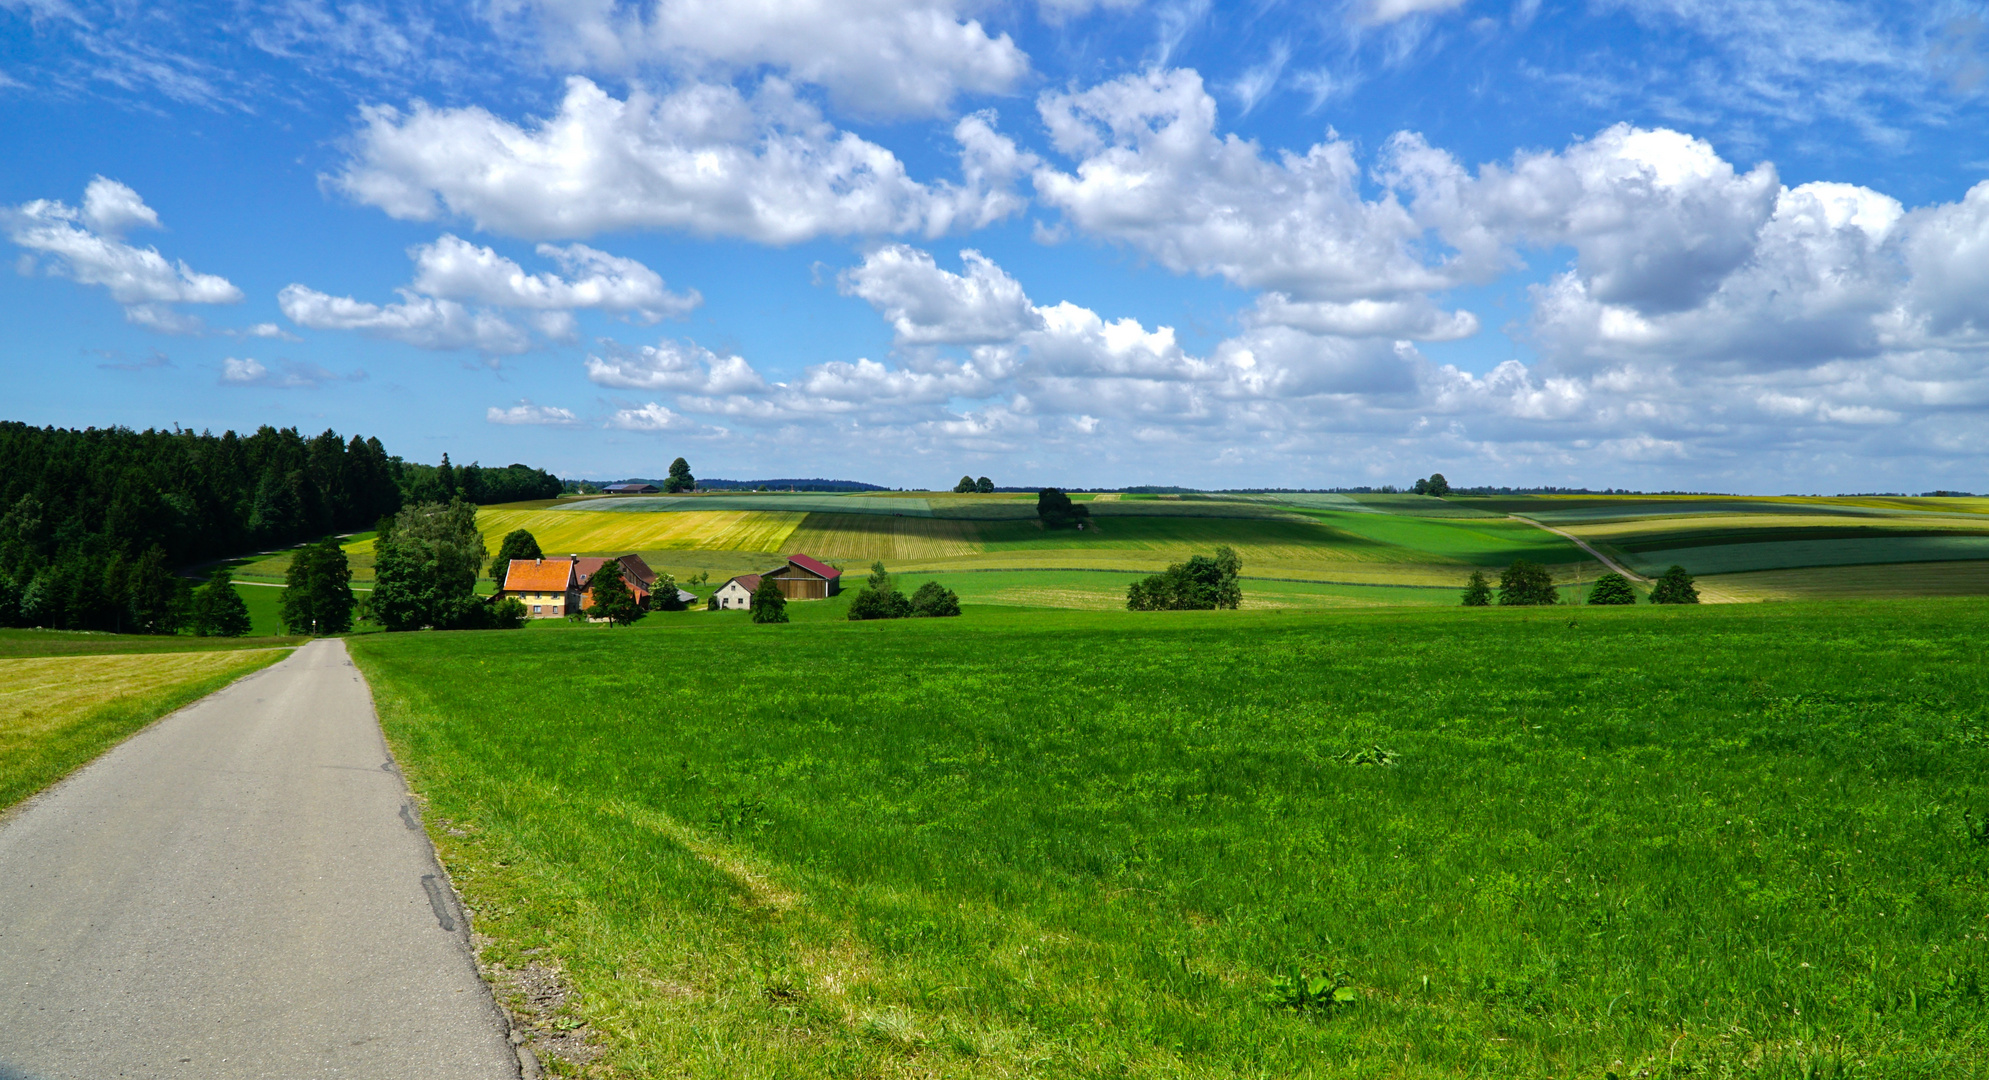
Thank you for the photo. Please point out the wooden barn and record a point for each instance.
(804, 578)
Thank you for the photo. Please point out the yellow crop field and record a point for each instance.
(580, 532)
(1657, 526)
(865, 537)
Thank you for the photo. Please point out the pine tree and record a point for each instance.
(1478, 591)
(218, 610)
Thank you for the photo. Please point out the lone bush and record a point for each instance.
(1675, 587)
(1611, 589)
(935, 601)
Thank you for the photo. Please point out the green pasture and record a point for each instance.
(1648, 842)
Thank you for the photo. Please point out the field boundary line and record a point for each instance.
(1102, 570)
(1583, 544)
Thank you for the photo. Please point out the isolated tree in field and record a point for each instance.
(1675, 587)
(984, 485)
(1056, 510)
(517, 544)
(1612, 589)
(317, 598)
(965, 485)
(218, 610)
(612, 599)
(934, 601)
(680, 478)
(1526, 584)
(769, 604)
(427, 569)
(1478, 591)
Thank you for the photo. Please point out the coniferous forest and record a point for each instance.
(96, 524)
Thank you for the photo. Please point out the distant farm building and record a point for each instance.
(552, 588)
(737, 594)
(631, 489)
(804, 578)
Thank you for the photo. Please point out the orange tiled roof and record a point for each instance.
(539, 575)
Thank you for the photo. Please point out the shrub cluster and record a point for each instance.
(880, 599)
(1202, 583)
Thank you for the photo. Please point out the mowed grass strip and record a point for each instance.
(1732, 841)
(59, 712)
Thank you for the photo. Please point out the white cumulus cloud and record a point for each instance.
(526, 413)
(705, 160)
(455, 269)
(421, 321)
(875, 56)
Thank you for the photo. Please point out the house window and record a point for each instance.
(535, 609)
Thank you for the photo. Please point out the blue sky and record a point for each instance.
(1703, 244)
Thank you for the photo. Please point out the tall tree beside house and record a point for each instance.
(317, 598)
(663, 594)
(427, 569)
(517, 544)
(612, 599)
(680, 478)
(218, 610)
(769, 604)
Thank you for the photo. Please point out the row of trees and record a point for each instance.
(1203, 583)
(1527, 584)
(968, 485)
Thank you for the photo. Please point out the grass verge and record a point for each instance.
(58, 712)
(1738, 841)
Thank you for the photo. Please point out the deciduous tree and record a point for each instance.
(1526, 584)
(1612, 589)
(317, 598)
(984, 485)
(611, 597)
(1056, 510)
(769, 604)
(1675, 587)
(965, 485)
(680, 478)
(933, 600)
(427, 569)
(517, 544)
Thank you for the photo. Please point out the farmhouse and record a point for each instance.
(735, 595)
(547, 587)
(551, 588)
(631, 489)
(635, 572)
(804, 578)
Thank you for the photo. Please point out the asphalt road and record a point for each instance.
(241, 890)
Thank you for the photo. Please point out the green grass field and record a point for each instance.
(66, 697)
(1698, 842)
